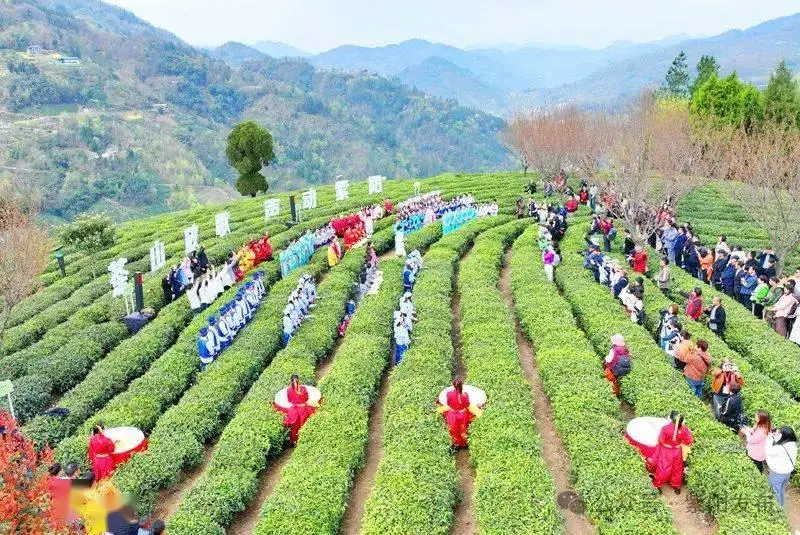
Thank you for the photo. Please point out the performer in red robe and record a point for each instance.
(458, 414)
(100, 449)
(300, 410)
(352, 236)
(571, 205)
(264, 249)
(667, 461)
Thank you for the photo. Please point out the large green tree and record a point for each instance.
(250, 149)
(781, 97)
(706, 68)
(676, 83)
(729, 101)
(90, 234)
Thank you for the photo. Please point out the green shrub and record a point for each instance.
(197, 416)
(416, 483)
(721, 477)
(514, 491)
(606, 471)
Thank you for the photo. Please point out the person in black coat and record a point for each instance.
(629, 246)
(202, 259)
(716, 316)
(730, 412)
(752, 261)
(166, 287)
(719, 267)
(767, 260)
(621, 283)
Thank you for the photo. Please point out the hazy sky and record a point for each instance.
(318, 25)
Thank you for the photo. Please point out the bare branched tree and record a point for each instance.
(518, 138)
(553, 133)
(23, 252)
(653, 159)
(767, 162)
(590, 142)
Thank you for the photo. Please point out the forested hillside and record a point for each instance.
(135, 120)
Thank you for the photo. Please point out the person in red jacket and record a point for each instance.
(571, 205)
(584, 195)
(301, 410)
(640, 260)
(263, 249)
(694, 307)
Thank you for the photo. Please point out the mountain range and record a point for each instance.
(100, 110)
(501, 78)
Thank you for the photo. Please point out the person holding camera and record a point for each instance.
(723, 380)
(780, 451)
(671, 336)
(756, 437)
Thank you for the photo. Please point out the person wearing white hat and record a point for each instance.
(407, 306)
(401, 339)
(288, 328)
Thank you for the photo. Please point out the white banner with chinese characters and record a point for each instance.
(375, 184)
(272, 208)
(342, 189)
(119, 276)
(191, 236)
(222, 224)
(310, 199)
(158, 256)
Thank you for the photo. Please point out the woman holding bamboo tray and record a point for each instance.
(297, 402)
(460, 404)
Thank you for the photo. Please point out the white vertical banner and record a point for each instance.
(272, 208)
(222, 224)
(190, 238)
(158, 256)
(375, 184)
(416, 189)
(310, 199)
(342, 189)
(119, 276)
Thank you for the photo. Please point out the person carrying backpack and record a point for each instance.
(617, 363)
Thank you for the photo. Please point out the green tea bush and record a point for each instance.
(606, 471)
(197, 417)
(721, 477)
(514, 490)
(333, 442)
(61, 370)
(261, 434)
(416, 482)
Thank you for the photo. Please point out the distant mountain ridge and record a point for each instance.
(753, 53)
(442, 78)
(277, 49)
(509, 75)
